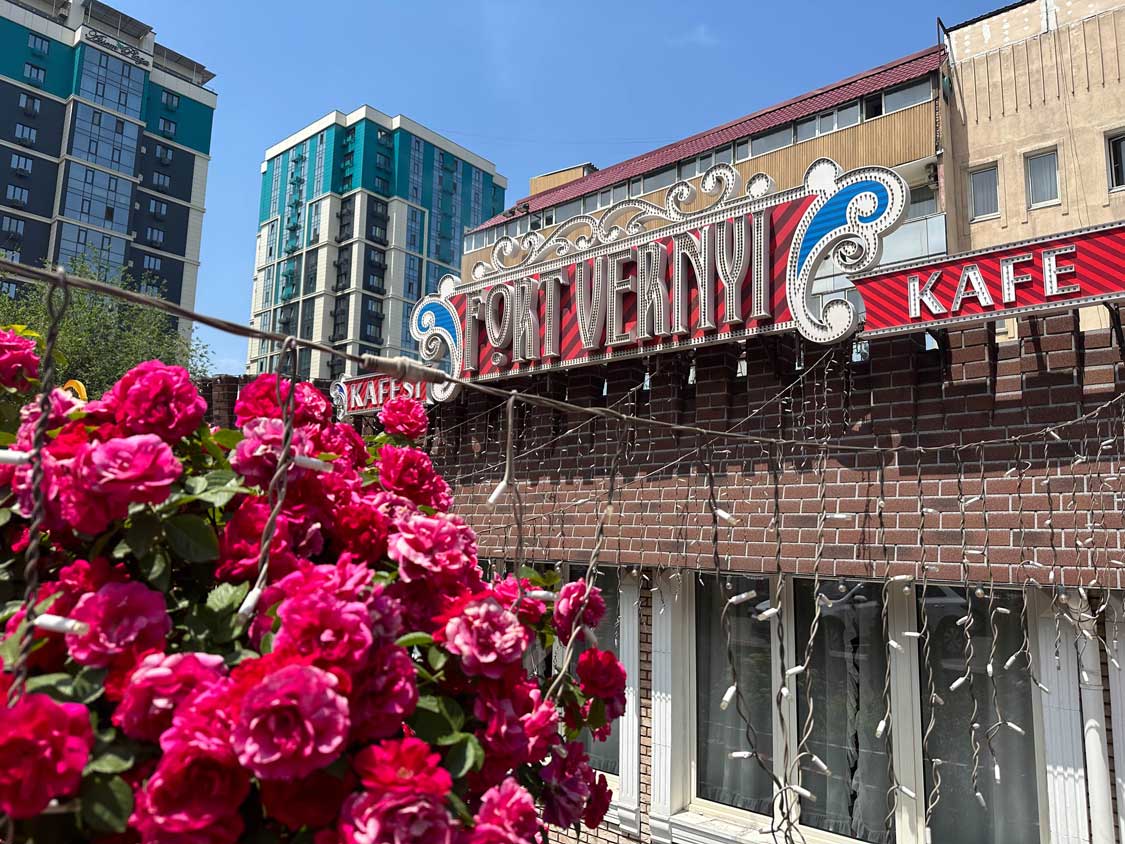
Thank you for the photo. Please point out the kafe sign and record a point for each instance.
(367, 394)
(645, 278)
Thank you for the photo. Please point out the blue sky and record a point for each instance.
(531, 86)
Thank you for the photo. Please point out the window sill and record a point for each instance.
(985, 218)
(704, 824)
(1054, 203)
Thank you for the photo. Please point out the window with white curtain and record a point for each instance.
(741, 783)
(1043, 178)
(983, 186)
(1011, 811)
(605, 755)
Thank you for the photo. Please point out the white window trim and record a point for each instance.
(1027, 159)
(993, 165)
(675, 814)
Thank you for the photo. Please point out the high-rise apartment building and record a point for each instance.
(361, 214)
(105, 138)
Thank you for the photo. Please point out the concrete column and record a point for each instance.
(1099, 787)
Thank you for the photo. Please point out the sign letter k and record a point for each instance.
(917, 293)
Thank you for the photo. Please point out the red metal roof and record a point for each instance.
(894, 73)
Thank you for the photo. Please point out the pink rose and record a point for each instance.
(192, 798)
(256, 456)
(408, 766)
(507, 591)
(156, 687)
(343, 440)
(294, 539)
(62, 405)
(438, 549)
(506, 816)
(409, 473)
(396, 818)
(404, 417)
(333, 633)
(43, 748)
(18, 361)
(598, 803)
(120, 617)
(568, 605)
(110, 476)
(385, 694)
(259, 398)
(292, 723)
(153, 398)
(567, 778)
(488, 639)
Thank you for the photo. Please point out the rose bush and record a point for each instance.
(381, 690)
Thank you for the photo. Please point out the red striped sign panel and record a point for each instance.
(1060, 272)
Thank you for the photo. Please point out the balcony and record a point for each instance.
(915, 239)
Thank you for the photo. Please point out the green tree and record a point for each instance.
(101, 337)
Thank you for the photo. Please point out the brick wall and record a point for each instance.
(1033, 501)
(221, 391)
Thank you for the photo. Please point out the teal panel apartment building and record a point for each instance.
(105, 141)
(360, 215)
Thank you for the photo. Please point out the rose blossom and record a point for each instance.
(153, 398)
(259, 398)
(404, 417)
(409, 472)
(506, 816)
(43, 748)
(120, 617)
(156, 687)
(440, 547)
(193, 796)
(487, 638)
(601, 676)
(291, 724)
(313, 801)
(385, 694)
(126, 470)
(507, 591)
(598, 803)
(257, 454)
(395, 818)
(569, 603)
(408, 766)
(294, 539)
(567, 779)
(334, 633)
(18, 360)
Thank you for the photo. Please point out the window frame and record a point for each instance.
(1027, 159)
(973, 171)
(1110, 139)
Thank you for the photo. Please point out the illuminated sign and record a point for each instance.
(367, 394)
(644, 279)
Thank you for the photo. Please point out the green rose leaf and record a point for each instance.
(227, 438)
(411, 640)
(191, 538)
(56, 686)
(111, 760)
(436, 717)
(107, 802)
(464, 756)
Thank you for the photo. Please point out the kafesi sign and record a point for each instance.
(366, 394)
(645, 278)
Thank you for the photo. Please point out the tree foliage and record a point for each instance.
(102, 338)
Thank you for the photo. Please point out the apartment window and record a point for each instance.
(984, 198)
(164, 154)
(382, 185)
(770, 141)
(382, 162)
(167, 127)
(104, 139)
(1117, 162)
(660, 179)
(923, 202)
(417, 150)
(742, 150)
(412, 281)
(605, 755)
(22, 164)
(30, 104)
(414, 229)
(161, 180)
(17, 195)
(154, 235)
(906, 96)
(25, 134)
(571, 209)
(38, 44)
(12, 226)
(157, 208)
(1042, 178)
(152, 263)
(33, 73)
(169, 100)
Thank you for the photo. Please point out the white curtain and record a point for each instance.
(847, 670)
(1012, 813)
(605, 755)
(741, 783)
